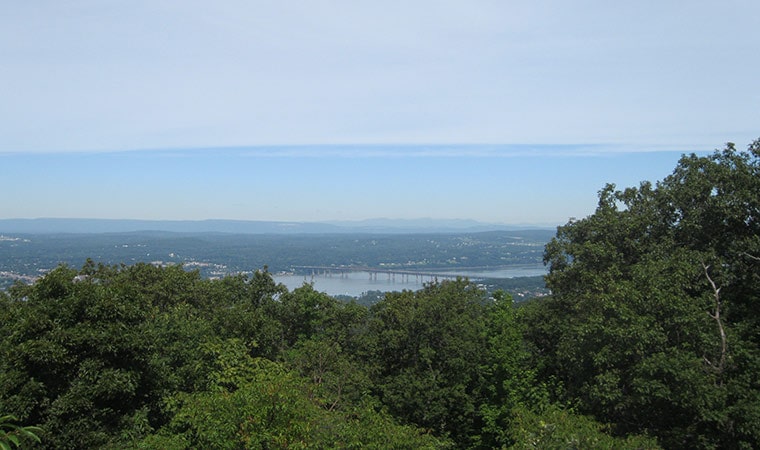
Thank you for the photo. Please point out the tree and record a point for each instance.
(331, 360)
(247, 309)
(510, 379)
(558, 428)
(256, 403)
(305, 312)
(656, 299)
(74, 359)
(89, 355)
(426, 348)
(143, 356)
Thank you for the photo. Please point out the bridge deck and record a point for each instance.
(375, 270)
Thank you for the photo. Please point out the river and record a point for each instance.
(357, 283)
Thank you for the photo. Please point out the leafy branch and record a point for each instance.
(12, 433)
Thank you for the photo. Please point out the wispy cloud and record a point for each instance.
(451, 151)
(391, 151)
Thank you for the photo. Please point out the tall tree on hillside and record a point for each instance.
(657, 305)
(427, 347)
(74, 359)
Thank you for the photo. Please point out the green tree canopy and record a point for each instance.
(655, 304)
(427, 346)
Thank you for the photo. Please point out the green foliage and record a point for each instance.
(115, 357)
(327, 349)
(556, 428)
(74, 359)
(305, 312)
(13, 434)
(427, 346)
(510, 380)
(247, 309)
(655, 297)
(258, 404)
(338, 380)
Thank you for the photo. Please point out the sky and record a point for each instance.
(500, 111)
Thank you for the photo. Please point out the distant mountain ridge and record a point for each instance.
(58, 225)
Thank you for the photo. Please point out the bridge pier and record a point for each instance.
(405, 276)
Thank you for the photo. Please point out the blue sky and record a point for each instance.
(502, 111)
(499, 184)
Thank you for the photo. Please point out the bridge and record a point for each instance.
(405, 274)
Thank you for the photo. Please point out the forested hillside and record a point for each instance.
(650, 339)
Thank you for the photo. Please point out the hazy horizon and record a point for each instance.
(497, 184)
(372, 221)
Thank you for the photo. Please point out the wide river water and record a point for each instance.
(357, 283)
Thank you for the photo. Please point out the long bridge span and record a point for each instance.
(373, 272)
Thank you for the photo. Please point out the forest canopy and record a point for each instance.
(650, 339)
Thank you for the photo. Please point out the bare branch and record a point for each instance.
(750, 256)
(716, 316)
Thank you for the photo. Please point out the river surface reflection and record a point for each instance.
(357, 283)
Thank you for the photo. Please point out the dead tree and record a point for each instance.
(720, 366)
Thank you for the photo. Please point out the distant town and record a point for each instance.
(477, 255)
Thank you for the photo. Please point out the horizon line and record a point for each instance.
(389, 222)
(389, 150)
